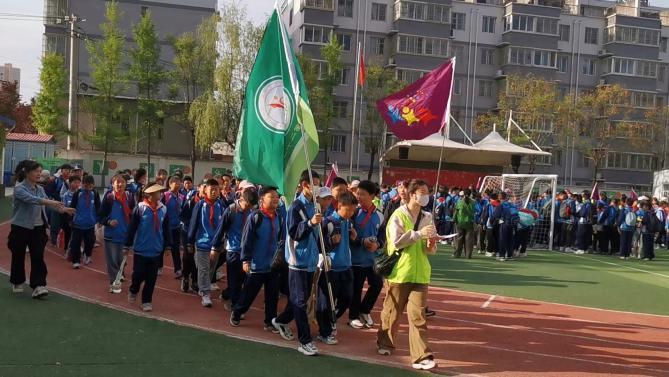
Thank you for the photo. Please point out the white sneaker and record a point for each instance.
(579, 252)
(88, 260)
(206, 301)
(330, 340)
(488, 254)
(132, 297)
(160, 271)
(147, 307)
(367, 319)
(214, 287)
(76, 266)
(356, 324)
(426, 364)
(383, 351)
(308, 349)
(40, 292)
(115, 288)
(501, 259)
(17, 288)
(283, 330)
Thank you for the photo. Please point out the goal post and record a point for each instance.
(522, 190)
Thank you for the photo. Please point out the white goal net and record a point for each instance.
(533, 192)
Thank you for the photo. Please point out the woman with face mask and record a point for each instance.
(411, 231)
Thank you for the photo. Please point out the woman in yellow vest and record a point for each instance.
(412, 231)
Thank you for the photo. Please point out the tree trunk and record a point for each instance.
(192, 152)
(104, 155)
(372, 155)
(148, 146)
(325, 163)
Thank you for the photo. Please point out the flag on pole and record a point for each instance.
(270, 142)
(334, 173)
(595, 192)
(361, 69)
(422, 108)
(634, 195)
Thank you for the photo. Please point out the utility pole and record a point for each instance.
(72, 19)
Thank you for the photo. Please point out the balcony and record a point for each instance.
(318, 4)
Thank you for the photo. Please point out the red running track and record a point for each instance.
(472, 334)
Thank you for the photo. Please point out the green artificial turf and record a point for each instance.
(5, 208)
(584, 280)
(60, 336)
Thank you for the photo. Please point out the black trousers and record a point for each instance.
(79, 235)
(236, 276)
(505, 240)
(144, 270)
(252, 285)
(647, 245)
(626, 243)
(583, 236)
(299, 283)
(521, 237)
(491, 239)
(358, 303)
(174, 249)
(35, 240)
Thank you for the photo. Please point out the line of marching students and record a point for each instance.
(265, 245)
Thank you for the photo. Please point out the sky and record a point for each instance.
(21, 40)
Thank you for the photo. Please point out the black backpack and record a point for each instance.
(279, 260)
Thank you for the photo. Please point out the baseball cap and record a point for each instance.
(244, 185)
(324, 192)
(355, 183)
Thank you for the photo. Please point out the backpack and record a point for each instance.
(654, 224)
(630, 219)
(465, 215)
(565, 210)
(526, 219)
(279, 259)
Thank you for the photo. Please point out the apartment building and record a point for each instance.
(10, 73)
(578, 44)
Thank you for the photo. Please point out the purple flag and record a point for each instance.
(595, 192)
(422, 108)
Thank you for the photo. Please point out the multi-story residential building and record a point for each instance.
(171, 18)
(578, 44)
(11, 74)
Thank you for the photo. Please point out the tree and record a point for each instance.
(239, 43)
(49, 110)
(380, 82)
(534, 103)
(9, 99)
(655, 129)
(195, 58)
(106, 59)
(149, 74)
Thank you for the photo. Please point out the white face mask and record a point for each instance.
(423, 200)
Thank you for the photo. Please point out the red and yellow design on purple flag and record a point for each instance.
(422, 108)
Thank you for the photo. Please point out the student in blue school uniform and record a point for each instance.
(369, 225)
(115, 215)
(506, 215)
(627, 224)
(584, 228)
(87, 204)
(187, 187)
(650, 225)
(204, 222)
(148, 235)
(74, 184)
(174, 200)
(263, 236)
(189, 270)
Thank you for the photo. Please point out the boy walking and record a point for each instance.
(66, 220)
(174, 200)
(87, 204)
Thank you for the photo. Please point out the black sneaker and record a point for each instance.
(185, 287)
(430, 313)
(195, 287)
(234, 322)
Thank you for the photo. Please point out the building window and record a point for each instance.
(376, 45)
(457, 87)
(563, 63)
(459, 53)
(588, 67)
(663, 44)
(422, 11)
(661, 72)
(528, 56)
(458, 21)
(487, 56)
(320, 4)
(521, 22)
(345, 8)
(409, 75)
(54, 11)
(437, 13)
(345, 73)
(628, 34)
(485, 88)
(321, 68)
(54, 43)
(630, 161)
(143, 10)
(345, 41)
(340, 109)
(411, 44)
(338, 143)
(546, 25)
(564, 32)
(488, 24)
(644, 100)
(591, 35)
(379, 12)
(316, 34)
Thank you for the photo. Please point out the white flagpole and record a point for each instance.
(445, 131)
(355, 106)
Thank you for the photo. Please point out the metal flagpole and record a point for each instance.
(445, 131)
(355, 104)
(362, 89)
(296, 91)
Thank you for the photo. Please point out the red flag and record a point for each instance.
(422, 108)
(361, 71)
(334, 173)
(595, 192)
(634, 195)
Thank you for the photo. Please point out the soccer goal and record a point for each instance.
(525, 191)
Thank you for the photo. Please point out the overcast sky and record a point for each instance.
(21, 40)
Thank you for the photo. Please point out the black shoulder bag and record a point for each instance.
(385, 263)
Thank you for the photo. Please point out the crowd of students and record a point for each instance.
(326, 240)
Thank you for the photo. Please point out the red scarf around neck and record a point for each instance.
(270, 215)
(154, 209)
(212, 205)
(122, 198)
(370, 210)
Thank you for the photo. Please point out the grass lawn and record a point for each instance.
(585, 280)
(5, 208)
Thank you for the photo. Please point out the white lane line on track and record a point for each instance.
(621, 265)
(488, 302)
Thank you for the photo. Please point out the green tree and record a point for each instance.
(149, 74)
(655, 130)
(106, 59)
(239, 43)
(49, 110)
(380, 82)
(534, 103)
(195, 57)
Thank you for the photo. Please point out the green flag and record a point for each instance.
(276, 120)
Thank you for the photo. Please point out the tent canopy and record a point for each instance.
(492, 150)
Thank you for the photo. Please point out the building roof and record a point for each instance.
(30, 138)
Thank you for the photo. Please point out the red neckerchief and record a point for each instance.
(370, 210)
(123, 199)
(270, 215)
(396, 198)
(212, 204)
(154, 209)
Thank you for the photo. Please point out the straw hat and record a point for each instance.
(155, 188)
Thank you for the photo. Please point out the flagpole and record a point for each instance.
(445, 131)
(355, 105)
(362, 88)
(296, 91)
